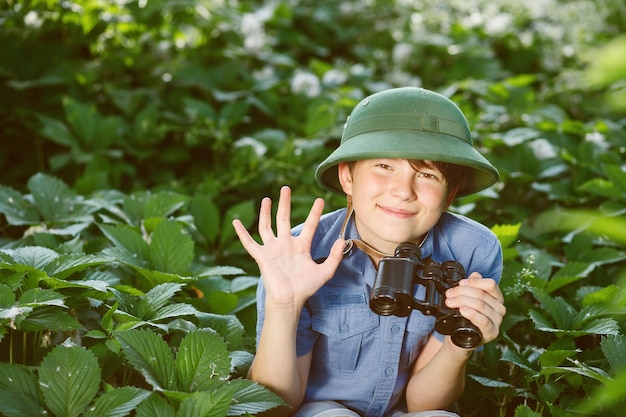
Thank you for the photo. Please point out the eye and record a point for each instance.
(427, 175)
(384, 166)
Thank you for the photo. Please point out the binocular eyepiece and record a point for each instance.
(395, 285)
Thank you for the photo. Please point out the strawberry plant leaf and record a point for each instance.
(69, 377)
(614, 348)
(155, 406)
(131, 246)
(117, 403)
(171, 249)
(18, 390)
(17, 210)
(251, 398)
(201, 358)
(150, 355)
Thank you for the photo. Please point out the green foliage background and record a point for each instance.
(133, 132)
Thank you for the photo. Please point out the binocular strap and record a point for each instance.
(373, 253)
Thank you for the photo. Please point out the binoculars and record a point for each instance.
(395, 285)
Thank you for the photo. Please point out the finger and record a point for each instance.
(265, 220)
(313, 219)
(477, 298)
(283, 215)
(334, 257)
(244, 236)
(489, 285)
(488, 325)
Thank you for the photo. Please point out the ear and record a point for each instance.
(345, 177)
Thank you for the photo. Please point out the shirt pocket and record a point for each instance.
(418, 330)
(347, 339)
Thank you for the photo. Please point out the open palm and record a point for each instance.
(289, 273)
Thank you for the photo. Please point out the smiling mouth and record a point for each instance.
(397, 212)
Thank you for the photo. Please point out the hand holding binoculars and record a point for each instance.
(394, 288)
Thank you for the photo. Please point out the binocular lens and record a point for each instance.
(383, 303)
(466, 337)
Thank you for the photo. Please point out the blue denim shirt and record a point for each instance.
(361, 359)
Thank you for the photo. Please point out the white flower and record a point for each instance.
(258, 147)
(33, 19)
(306, 83)
(401, 53)
(542, 149)
(597, 139)
(253, 31)
(334, 77)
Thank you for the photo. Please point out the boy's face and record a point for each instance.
(394, 200)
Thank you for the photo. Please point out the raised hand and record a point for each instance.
(289, 273)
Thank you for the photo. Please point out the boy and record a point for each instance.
(405, 154)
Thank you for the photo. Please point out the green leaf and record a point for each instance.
(228, 326)
(174, 310)
(491, 383)
(614, 348)
(69, 377)
(171, 249)
(49, 318)
(160, 295)
(7, 297)
(82, 118)
(601, 187)
(574, 269)
(150, 355)
(33, 256)
(133, 249)
(56, 201)
(555, 357)
(17, 210)
(507, 234)
(217, 271)
(69, 263)
(579, 368)
(202, 356)
(163, 204)
(556, 308)
(214, 404)
(18, 391)
(117, 403)
(36, 297)
(206, 217)
(107, 318)
(57, 131)
(155, 406)
(605, 326)
(519, 135)
(616, 174)
(251, 398)
(242, 211)
(525, 411)
(519, 360)
(603, 256)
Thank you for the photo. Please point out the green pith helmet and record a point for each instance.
(409, 123)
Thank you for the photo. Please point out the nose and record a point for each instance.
(403, 185)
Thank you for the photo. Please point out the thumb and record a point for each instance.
(334, 257)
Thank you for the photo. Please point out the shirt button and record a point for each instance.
(389, 371)
(344, 328)
(378, 408)
(395, 329)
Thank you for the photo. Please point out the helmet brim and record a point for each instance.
(402, 144)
